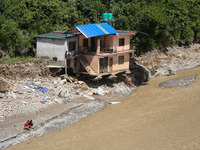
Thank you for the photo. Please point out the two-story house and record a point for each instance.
(93, 49)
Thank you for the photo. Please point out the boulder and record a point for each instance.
(166, 71)
(62, 82)
(4, 86)
(100, 91)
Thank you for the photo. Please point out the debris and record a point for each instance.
(114, 102)
(2, 95)
(37, 87)
(89, 97)
(80, 82)
(100, 91)
(2, 118)
(4, 86)
(15, 124)
(64, 76)
(42, 102)
(72, 78)
(69, 79)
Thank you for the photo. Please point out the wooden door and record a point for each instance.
(103, 65)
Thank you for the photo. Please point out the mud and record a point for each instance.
(152, 118)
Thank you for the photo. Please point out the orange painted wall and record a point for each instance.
(118, 67)
(81, 37)
(93, 62)
(126, 43)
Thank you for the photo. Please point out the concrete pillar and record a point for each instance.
(98, 46)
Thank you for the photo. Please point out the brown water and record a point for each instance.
(153, 118)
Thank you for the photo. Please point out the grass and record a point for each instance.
(18, 60)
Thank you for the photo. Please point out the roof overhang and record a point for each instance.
(122, 32)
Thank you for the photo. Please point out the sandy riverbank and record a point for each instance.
(152, 118)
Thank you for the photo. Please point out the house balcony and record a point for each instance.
(98, 51)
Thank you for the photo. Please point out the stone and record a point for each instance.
(89, 97)
(62, 82)
(166, 71)
(55, 82)
(11, 94)
(4, 86)
(59, 100)
(20, 92)
(92, 91)
(2, 118)
(100, 91)
(80, 82)
(2, 95)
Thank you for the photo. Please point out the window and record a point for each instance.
(121, 42)
(85, 42)
(72, 46)
(121, 60)
(55, 58)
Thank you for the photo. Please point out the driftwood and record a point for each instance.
(72, 78)
(68, 78)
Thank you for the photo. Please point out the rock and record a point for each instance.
(55, 82)
(100, 91)
(2, 118)
(166, 71)
(57, 91)
(67, 95)
(20, 92)
(89, 97)
(59, 79)
(60, 100)
(4, 86)
(63, 93)
(169, 49)
(62, 82)
(29, 91)
(11, 94)
(92, 91)
(80, 82)
(2, 95)
(178, 82)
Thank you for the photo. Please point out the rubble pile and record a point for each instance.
(17, 71)
(27, 95)
(164, 63)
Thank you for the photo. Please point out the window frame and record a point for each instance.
(121, 41)
(74, 46)
(121, 60)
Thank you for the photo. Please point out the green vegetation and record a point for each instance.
(167, 22)
(18, 60)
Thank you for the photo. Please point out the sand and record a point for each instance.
(152, 118)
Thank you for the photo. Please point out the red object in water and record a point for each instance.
(42, 102)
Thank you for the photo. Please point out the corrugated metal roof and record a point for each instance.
(122, 32)
(53, 35)
(91, 30)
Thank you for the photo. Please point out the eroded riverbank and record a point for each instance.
(152, 118)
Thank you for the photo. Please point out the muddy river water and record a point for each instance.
(152, 118)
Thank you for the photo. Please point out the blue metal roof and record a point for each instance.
(91, 30)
